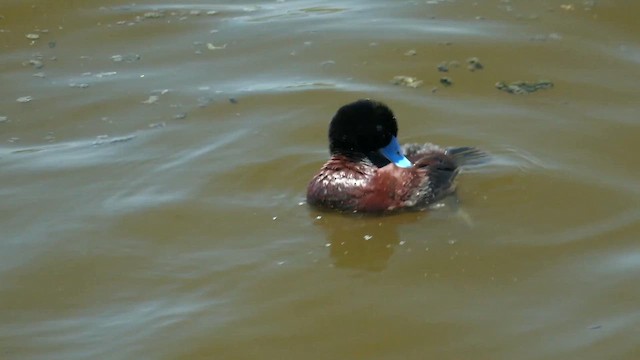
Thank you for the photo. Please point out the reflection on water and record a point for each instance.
(154, 158)
(367, 242)
(363, 243)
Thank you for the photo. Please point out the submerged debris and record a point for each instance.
(523, 87)
(407, 81)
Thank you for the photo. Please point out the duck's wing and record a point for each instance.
(440, 171)
(467, 155)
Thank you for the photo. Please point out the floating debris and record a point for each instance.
(180, 116)
(152, 99)
(157, 125)
(211, 12)
(38, 64)
(327, 63)
(32, 36)
(79, 85)
(125, 58)
(160, 92)
(443, 67)
(153, 15)
(4, 119)
(39, 75)
(446, 81)
(24, 99)
(474, 64)
(233, 100)
(367, 237)
(210, 46)
(543, 37)
(105, 74)
(407, 81)
(104, 139)
(523, 87)
(411, 52)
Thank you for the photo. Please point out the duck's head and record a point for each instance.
(364, 127)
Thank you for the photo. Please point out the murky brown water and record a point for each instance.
(153, 186)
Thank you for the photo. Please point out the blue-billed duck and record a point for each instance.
(370, 172)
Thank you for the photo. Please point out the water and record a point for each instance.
(153, 187)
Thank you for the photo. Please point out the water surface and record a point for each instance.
(153, 182)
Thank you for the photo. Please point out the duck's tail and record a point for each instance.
(467, 156)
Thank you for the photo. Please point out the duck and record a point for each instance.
(370, 172)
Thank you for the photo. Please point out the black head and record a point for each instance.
(363, 126)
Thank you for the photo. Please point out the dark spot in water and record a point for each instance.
(446, 81)
(474, 64)
(523, 87)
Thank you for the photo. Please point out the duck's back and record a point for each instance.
(347, 185)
